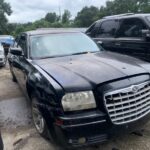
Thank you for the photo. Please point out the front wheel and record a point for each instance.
(38, 119)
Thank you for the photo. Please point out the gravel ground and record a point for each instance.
(19, 133)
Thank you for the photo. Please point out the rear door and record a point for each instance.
(106, 33)
(129, 38)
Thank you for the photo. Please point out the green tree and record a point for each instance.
(51, 17)
(144, 6)
(125, 6)
(66, 16)
(19, 28)
(5, 9)
(86, 16)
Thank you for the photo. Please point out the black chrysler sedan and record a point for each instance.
(80, 94)
(125, 33)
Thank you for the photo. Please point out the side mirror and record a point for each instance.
(16, 51)
(146, 34)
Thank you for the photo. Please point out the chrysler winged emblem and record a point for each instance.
(135, 89)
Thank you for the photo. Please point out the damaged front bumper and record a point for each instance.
(91, 128)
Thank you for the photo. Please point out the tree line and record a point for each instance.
(84, 18)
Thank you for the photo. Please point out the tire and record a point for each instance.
(38, 119)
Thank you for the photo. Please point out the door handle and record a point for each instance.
(100, 42)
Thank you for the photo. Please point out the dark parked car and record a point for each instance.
(126, 33)
(80, 95)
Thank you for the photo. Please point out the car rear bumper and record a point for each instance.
(77, 132)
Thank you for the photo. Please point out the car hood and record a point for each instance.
(85, 71)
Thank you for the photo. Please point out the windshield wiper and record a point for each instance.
(83, 53)
(54, 56)
(80, 53)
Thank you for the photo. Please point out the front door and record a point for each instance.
(130, 40)
(21, 64)
(106, 34)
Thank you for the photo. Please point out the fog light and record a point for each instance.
(82, 140)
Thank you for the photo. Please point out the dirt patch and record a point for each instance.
(24, 139)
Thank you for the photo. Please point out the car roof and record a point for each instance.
(124, 16)
(55, 30)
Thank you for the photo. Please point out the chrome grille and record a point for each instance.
(128, 104)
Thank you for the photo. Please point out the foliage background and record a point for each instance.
(84, 18)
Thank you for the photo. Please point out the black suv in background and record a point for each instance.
(125, 33)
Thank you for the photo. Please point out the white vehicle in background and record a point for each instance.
(2, 56)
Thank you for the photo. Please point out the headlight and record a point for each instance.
(78, 101)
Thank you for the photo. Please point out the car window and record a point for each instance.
(108, 28)
(131, 28)
(93, 29)
(51, 45)
(23, 44)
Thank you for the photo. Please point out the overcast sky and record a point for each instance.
(31, 10)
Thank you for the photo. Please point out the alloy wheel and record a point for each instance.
(37, 117)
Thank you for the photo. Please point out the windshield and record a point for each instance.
(51, 45)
